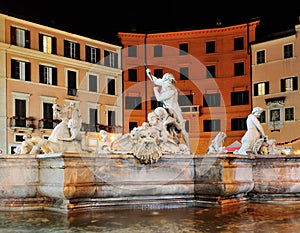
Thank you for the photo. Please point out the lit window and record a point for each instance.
(47, 42)
(20, 37)
(261, 89)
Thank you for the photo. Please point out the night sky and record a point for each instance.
(150, 16)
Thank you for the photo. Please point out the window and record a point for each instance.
(239, 98)
(111, 86)
(238, 124)
(132, 125)
(184, 49)
(48, 116)
(132, 51)
(185, 100)
(92, 54)
(289, 114)
(71, 49)
(211, 125)
(20, 112)
(47, 44)
(132, 102)
(20, 37)
(158, 73)
(20, 70)
(132, 75)
(289, 84)
(239, 43)
(20, 137)
(155, 103)
(72, 83)
(262, 117)
(210, 47)
(239, 69)
(93, 119)
(93, 83)
(48, 75)
(210, 71)
(20, 108)
(187, 126)
(184, 73)
(157, 51)
(260, 57)
(288, 51)
(261, 88)
(211, 100)
(110, 59)
(111, 120)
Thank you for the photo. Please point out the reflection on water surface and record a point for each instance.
(234, 219)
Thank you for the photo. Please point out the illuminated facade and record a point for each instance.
(41, 66)
(213, 75)
(276, 71)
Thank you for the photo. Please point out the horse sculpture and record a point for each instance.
(65, 136)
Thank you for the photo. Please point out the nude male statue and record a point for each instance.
(166, 92)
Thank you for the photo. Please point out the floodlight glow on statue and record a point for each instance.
(166, 92)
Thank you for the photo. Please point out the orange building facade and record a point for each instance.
(213, 76)
(42, 66)
(276, 71)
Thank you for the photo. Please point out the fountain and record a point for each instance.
(147, 168)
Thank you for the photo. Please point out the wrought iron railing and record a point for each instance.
(48, 123)
(97, 127)
(16, 122)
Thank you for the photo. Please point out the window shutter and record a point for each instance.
(41, 42)
(41, 74)
(282, 84)
(87, 53)
(295, 83)
(115, 60)
(27, 71)
(98, 55)
(27, 39)
(13, 35)
(53, 45)
(267, 88)
(13, 68)
(77, 49)
(54, 76)
(66, 49)
(106, 58)
(255, 89)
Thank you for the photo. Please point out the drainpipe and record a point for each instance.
(250, 57)
(146, 78)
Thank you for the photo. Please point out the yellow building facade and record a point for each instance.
(42, 66)
(276, 71)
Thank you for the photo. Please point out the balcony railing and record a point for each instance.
(72, 91)
(97, 127)
(47, 123)
(20, 122)
(195, 109)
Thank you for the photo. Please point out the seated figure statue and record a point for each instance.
(216, 146)
(254, 132)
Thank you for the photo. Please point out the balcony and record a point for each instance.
(21, 123)
(72, 91)
(47, 124)
(194, 109)
(97, 127)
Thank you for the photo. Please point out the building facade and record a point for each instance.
(213, 76)
(276, 70)
(42, 66)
